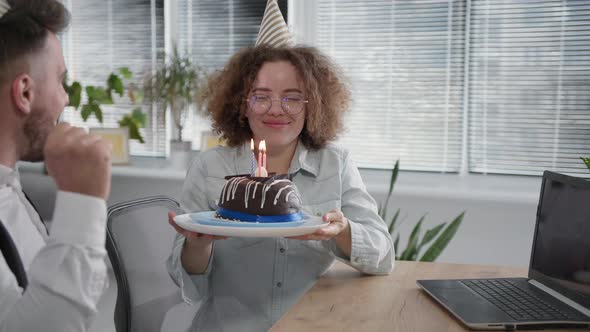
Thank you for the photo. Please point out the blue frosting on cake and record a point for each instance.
(246, 217)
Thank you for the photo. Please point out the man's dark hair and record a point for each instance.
(23, 31)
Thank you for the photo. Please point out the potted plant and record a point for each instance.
(175, 86)
(98, 95)
(436, 238)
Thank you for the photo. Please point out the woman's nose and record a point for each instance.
(276, 108)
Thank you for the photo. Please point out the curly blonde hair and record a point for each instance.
(325, 88)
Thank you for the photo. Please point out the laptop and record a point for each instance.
(556, 293)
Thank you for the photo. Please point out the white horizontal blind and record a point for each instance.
(212, 31)
(106, 35)
(529, 86)
(405, 60)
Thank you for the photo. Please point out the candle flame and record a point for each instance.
(262, 146)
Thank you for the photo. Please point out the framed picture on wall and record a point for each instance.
(210, 140)
(119, 138)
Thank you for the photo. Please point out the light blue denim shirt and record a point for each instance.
(251, 282)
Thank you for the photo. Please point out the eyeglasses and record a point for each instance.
(260, 104)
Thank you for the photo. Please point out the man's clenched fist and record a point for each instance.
(78, 162)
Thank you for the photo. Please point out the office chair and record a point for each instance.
(139, 240)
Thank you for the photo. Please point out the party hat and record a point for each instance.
(5, 7)
(273, 29)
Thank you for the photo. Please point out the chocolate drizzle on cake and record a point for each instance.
(268, 196)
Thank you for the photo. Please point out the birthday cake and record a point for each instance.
(259, 199)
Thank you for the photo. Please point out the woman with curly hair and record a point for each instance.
(294, 98)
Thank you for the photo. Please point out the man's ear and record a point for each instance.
(21, 92)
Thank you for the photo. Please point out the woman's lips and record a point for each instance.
(275, 124)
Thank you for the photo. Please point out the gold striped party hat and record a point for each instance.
(5, 7)
(273, 29)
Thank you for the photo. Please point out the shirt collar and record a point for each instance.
(9, 176)
(303, 159)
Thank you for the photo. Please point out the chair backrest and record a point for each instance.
(139, 240)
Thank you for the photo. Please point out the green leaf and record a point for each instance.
(412, 242)
(383, 210)
(430, 235)
(91, 92)
(586, 161)
(395, 245)
(86, 111)
(98, 95)
(98, 113)
(130, 123)
(89, 109)
(74, 94)
(114, 82)
(139, 117)
(443, 240)
(393, 221)
(125, 72)
(394, 174)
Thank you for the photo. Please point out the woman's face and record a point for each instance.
(280, 82)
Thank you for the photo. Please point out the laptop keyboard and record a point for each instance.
(514, 301)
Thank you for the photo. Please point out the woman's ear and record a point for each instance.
(21, 93)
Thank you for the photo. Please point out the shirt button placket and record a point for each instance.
(279, 272)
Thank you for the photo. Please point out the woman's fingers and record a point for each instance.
(178, 229)
(336, 224)
(333, 216)
(324, 233)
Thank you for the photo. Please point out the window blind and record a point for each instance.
(106, 35)
(211, 31)
(405, 60)
(529, 83)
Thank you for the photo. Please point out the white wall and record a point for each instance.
(497, 228)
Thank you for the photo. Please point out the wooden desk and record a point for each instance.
(345, 300)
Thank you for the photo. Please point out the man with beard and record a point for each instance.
(49, 281)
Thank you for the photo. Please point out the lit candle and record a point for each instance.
(259, 159)
(252, 158)
(264, 154)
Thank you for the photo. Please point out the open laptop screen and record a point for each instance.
(561, 247)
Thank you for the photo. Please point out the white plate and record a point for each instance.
(190, 221)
